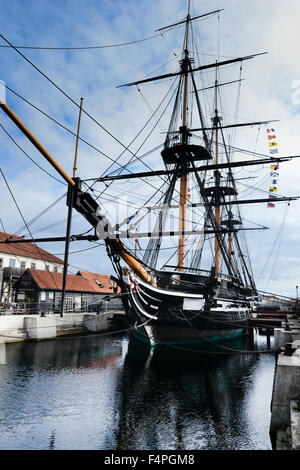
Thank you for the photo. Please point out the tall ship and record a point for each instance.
(192, 282)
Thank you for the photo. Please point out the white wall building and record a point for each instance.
(15, 258)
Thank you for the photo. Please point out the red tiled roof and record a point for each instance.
(75, 283)
(104, 279)
(29, 250)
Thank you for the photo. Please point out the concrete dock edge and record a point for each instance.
(285, 410)
(15, 328)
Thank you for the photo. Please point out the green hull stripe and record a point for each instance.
(215, 339)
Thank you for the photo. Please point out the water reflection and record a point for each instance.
(60, 394)
(76, 353)
(172, 399)
(108, 392)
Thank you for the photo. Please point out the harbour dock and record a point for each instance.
(269, 319)
(266, 322)
(285, 403)
(15, 328)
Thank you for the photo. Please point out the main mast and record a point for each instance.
(184, 137)
(217, 182)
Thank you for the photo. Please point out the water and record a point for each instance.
(96, 393)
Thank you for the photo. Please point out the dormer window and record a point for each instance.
(98, 282)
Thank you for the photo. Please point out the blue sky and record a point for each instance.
(267, 93)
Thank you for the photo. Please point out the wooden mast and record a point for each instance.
(217, 175)
(77, 138)
(69, 221)
(230, 226)
(184, 177)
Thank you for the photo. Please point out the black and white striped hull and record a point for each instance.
(173, 317)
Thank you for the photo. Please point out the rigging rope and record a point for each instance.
(25, 223)
(22, 150)
(278, 241)
(80, 47)
(40, 215)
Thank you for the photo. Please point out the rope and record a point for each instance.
(80, 48)
(277, 241)
(25, 223)
(26, 154)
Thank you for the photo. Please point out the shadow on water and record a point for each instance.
(178, 399)
(171, 356)
(67, 353)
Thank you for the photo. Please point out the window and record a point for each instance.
(98, 282)
(32, 265)
(55, 269)
(1, 263)
(47, 268)
(12, 263)
(47, 296)
(22, 265)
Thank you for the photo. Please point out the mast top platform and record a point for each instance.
(184, 153)
(211, 191)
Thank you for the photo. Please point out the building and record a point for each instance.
(41, 291)
(16, 258)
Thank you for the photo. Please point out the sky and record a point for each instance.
(271, 90)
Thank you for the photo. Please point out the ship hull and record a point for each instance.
(163, 318)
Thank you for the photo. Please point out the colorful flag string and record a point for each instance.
(274, 173)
